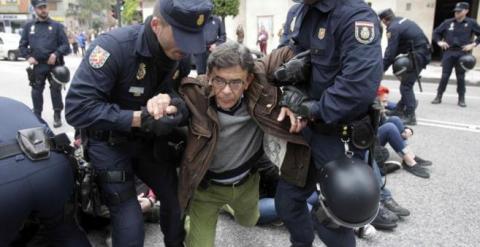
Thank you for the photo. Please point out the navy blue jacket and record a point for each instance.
(42, 38)
(214, 31)
(19, 167)
(119, 74)
(344, 39)
(401, 33)
(457, 34)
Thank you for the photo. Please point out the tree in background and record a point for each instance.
(130, 12)
(92, 11)
(225, 8)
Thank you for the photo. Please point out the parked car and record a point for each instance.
(9, 46)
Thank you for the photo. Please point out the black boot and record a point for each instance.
(461, 101)
(57, 119)
(409, 119)
(437, 100)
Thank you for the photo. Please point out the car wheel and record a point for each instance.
(12, 56)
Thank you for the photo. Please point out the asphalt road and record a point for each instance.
(445, 208)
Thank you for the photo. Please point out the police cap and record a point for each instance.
(38, 3)
(385, 13)
(461, 6)
(187, 18)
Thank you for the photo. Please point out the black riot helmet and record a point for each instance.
(60, 74)
(467, 62)
(349, 192)
(402, 64)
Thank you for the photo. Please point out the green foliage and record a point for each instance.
(92, 11)
(130, 12)
(225, 8)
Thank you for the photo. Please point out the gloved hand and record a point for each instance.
(295, 100)
(165, 124)
(295, 71)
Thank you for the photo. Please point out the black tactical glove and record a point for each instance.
(295, 100)
(165, 124)
(297, 70)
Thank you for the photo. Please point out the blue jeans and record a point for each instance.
(390, 132)
(268, 213)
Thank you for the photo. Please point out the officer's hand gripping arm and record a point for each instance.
(295, 71)
(165, 124)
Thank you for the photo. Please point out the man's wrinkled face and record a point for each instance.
(164, 34)
(228, 85)
(42, 12)
(459, 15)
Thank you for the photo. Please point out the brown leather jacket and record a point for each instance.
(202, 138)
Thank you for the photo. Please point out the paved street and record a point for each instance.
(445, 208)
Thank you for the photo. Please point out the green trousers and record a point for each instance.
(206, 204)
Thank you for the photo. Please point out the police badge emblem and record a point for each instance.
(142, 71)
(200, 20)
(364, 32)
(321, 33)
(176, 74)
(98, 57)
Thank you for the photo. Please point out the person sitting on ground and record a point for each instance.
(393, 132)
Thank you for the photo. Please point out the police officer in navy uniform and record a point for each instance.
(405, 37)
(43, 44)
(288, 25)
(455, 37)
(214, 33)
(344, 41)
(40, 187)
(122, 99)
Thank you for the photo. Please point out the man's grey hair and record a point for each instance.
(230, 54)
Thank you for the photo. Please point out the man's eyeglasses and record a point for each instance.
(220, 83)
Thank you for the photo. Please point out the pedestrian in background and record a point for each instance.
(262, 39)
(455, 37)
(44, 43)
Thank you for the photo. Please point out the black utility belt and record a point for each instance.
(114, 137)
(234, 184)
(360, 132)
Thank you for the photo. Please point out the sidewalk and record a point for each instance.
(433, 73)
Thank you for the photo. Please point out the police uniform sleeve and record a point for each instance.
(438, 32)
(87, 104)
(62, 41)
(355, 85)
(222, 35)
(392, 48)
(476, 31)
(24, 42)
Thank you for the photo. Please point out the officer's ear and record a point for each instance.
(157, 22)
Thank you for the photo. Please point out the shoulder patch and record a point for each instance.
(364, 32)
(98, 57)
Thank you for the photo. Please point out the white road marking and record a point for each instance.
(449, 125)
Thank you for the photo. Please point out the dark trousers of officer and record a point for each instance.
(407, 100)
(291, 205)
(450, 61)
(42, 73)
(41, 188)
(127, 220)
(201, 62)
